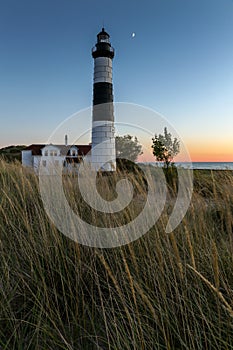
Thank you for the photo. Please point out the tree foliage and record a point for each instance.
(11, 153)
(128, 147)
(165, 148)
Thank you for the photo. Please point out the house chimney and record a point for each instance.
(66, 140)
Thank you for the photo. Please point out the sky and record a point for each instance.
(179, 64)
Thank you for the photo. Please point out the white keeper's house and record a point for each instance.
(52, 156)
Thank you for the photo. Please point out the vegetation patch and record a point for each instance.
(163, 291)
(11, 153)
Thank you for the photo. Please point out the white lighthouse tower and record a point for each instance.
(103, 134)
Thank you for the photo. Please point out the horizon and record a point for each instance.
(141, 159)
(174, 58)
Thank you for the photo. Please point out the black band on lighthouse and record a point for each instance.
(103, 92)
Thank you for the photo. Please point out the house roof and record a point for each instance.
(36, 149)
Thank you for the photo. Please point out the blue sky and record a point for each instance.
(180, 63)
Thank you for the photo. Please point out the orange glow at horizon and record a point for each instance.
(211, 151)
(200, 151)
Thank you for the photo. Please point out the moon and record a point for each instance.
(133, 35)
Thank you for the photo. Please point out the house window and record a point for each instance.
(44, 162)
(46, 153)
(53, 153)
(73, 152)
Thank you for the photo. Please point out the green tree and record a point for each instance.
(128, 147)
(165, 148)
(11, 153)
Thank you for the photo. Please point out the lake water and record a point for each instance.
(208, 165)
(204, 165)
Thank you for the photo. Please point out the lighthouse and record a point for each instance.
(103, 154)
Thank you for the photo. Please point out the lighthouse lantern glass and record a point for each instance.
(103, 38)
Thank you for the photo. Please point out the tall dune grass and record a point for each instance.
(163, 291)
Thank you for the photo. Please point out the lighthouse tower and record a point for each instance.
(103, 152)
